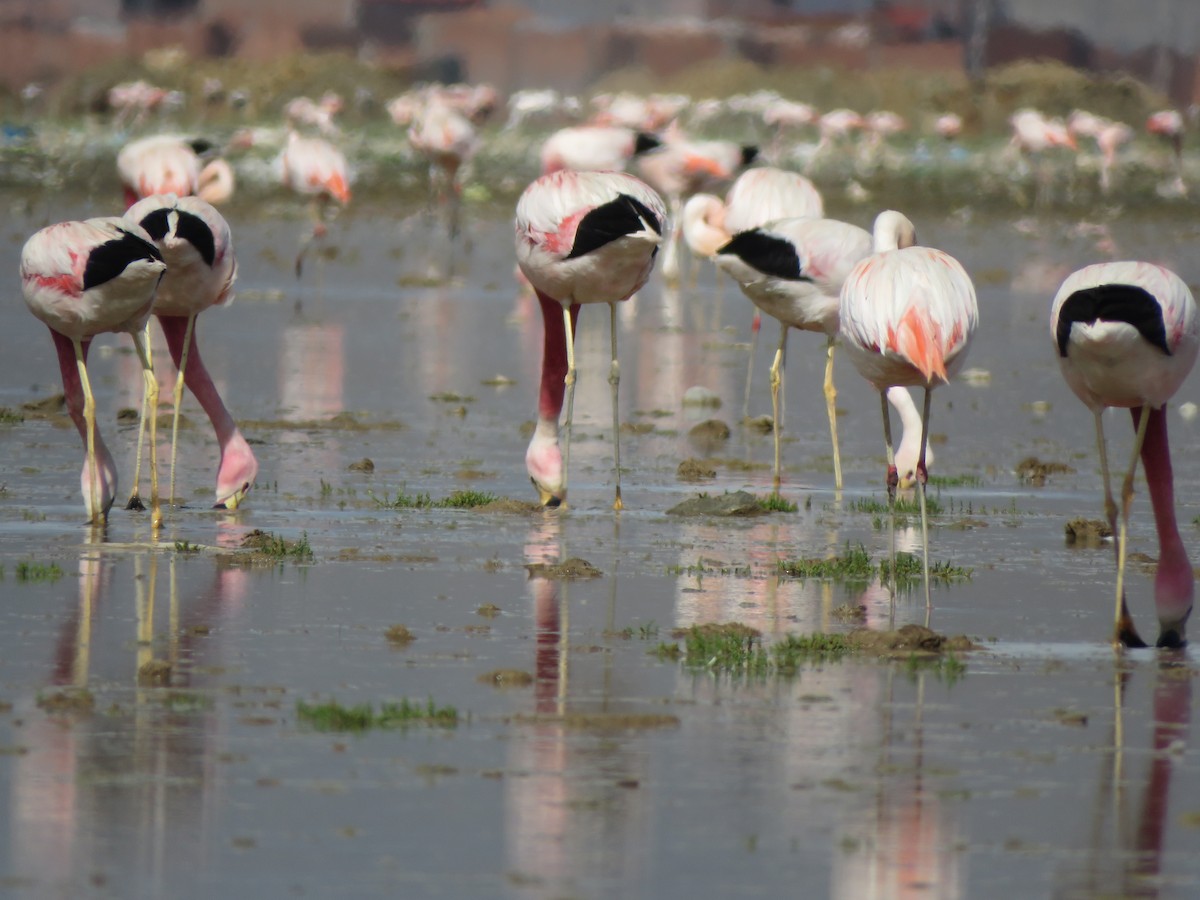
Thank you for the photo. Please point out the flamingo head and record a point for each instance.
(543, 461)
(237, 473)
(106, 486)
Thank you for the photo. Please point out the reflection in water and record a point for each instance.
(904, 843)
(136, 770)
(1127, 838)
(573, 815)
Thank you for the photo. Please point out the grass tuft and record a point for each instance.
(35, 572)
(457, 500)
(269, 545)
(854, 565)
(776, 503)
(333, 716)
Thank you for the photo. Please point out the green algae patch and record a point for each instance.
(333, 716)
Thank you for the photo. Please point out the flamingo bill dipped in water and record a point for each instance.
(793, 270)
(581, 237)
(83, 279)
(197, 246)
(908, 315)
(315, 168)
(1127, 335)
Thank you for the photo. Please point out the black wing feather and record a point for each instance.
(611, 221)
(1113, 303)
(111, 258)
(766, 253)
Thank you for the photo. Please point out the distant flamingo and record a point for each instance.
(594, 148)
(680, 168)
(315, 168)
(447, 139)
(1033, 137)
(1127, 334)
(908, 315)
(1168, 124)
(948, 126)
(793, 269)
(169, 164)
(83, 279)
(197, 247)
(581, 237)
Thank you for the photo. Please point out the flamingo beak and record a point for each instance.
(548, 498)
(234, 500)
(1172, 635)
(907, 481)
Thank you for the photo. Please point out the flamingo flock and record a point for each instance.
(588, 232)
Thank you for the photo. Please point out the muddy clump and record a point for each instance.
(366, 465)
(399, 636)
(760, 424)
(155, 673)
(709, 432)
(907, 641)
(693, 469)
(1034, 471)
(1088, 532)
(47, 406)
(506, 678)
(737, 503)
(572, 569)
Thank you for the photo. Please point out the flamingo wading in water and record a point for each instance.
(793, 270)
(197, 246)
(908, 315)
(316, 168)
(1127, 335)
(83, 279)
(581, 237)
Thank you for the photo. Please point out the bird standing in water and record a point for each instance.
(197, 246)
(1127, 335)
(581, 237)
(315, 168)
(908, 315)
(83, 279)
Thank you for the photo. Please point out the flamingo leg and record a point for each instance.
(614, 379)
(755, 327)
(151, 401)
(831, 407)
(892, 480)
(187, 343)
(1122, 541)
(89, 418)
(921, 494)
(316, 212)
(777, 369)
(569, 383)
(135, 501)
(1124, 631)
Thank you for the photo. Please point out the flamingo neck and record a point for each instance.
(554, 358)
(1174, 582)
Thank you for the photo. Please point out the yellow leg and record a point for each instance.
(569, 381)
(183, 358)
(831, 406)
(614, 379)
(89, 418)
(135, 500)
(777, 370)
(139, 343)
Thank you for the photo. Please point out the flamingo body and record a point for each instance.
(594, 148)
(1127, 334)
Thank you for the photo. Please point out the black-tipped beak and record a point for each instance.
(1171, 638)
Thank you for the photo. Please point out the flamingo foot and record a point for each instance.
(135, 503)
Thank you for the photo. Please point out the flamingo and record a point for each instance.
(594, 148)
(1168, 124)
(1127, 334)
(447, 139)
(197, 246)
(581, 237)
(316, 168)
(793, 270)
(169, 164)
(83, 279)
(948, 126)
(680, 168)
(908, 315)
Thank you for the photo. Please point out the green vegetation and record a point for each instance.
(186, 547)
(948, 668)
(457, 500)
(10, 416)
(905, 506)
(265, 544)
(854, 565)
(737, 649)
(908, 569)
(776, 503)
(944, 481)
(710, 567)
(35, 572)
(332, 716)
(789, 653)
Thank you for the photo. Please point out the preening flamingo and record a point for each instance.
(581, 237)
(908, 315)
(83, 279)
(315, 168)
(793, 270)
(197, 246)
(1127, 334)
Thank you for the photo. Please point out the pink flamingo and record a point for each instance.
(948, 126)
(447, 139)
(908, 314)
(793, 269)
(83, 279)
(1168, 124)
(1127, 335)
(168, 164)
(581, 237)
(315, 168)
(594, 148)
(195, 242)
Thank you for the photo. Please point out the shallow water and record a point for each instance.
(1049, 768)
